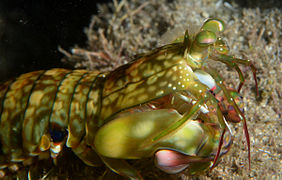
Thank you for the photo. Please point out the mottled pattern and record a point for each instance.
(15, 102)
(59, 101)
(40, 102)
(77, 109)
(39, 108)
(159, 73)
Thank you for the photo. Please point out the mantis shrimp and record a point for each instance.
(167, 103)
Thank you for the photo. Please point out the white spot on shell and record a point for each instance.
(159, 93)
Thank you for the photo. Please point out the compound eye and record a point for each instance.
(205, 38)
(221, 46)
(213, 25)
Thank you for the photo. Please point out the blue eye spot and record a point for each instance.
(57, 135)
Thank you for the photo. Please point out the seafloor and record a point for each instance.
(124, 29)
(253, 31)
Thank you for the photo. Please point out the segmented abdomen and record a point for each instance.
(42, 107)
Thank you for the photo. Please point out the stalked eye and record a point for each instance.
(205, 38)
(213, 25)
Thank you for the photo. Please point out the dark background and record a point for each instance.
(32, 30)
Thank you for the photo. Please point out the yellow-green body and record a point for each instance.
(112, 116)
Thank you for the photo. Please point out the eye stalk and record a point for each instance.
(213, 25)
(199, 49)
(205, 38)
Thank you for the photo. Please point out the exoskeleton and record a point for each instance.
(165, 104)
